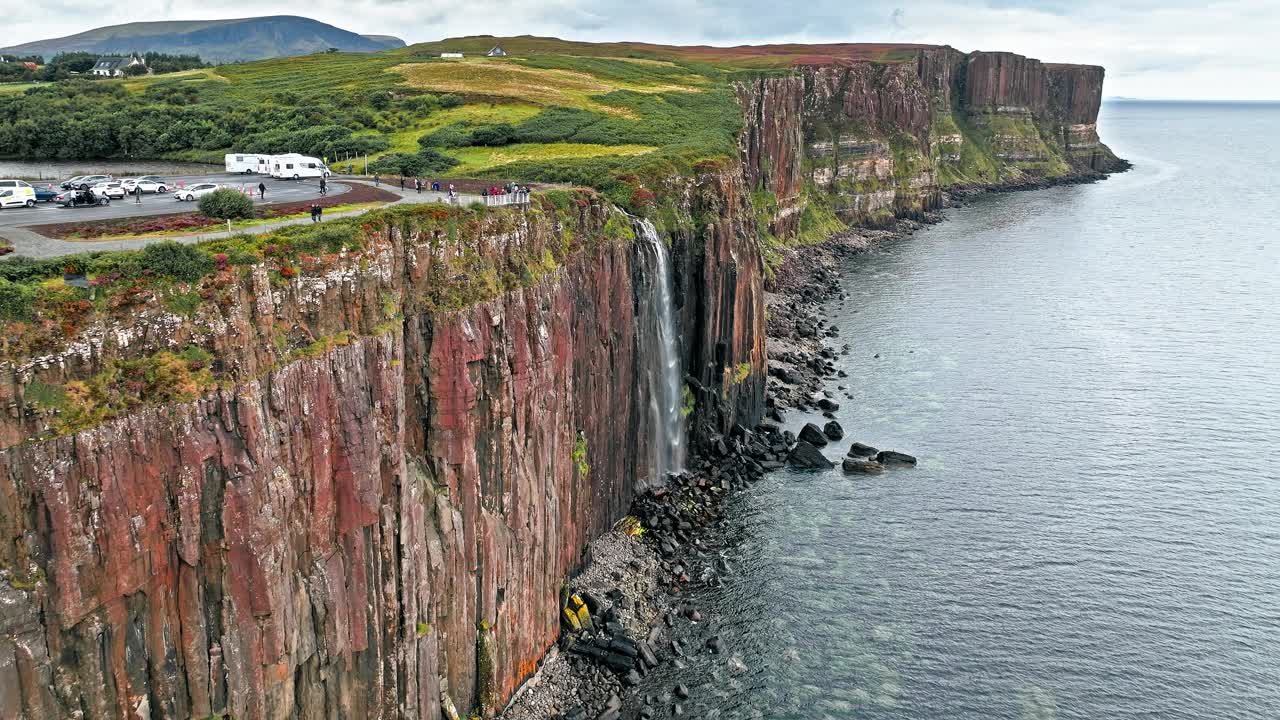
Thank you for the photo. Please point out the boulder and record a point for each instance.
(828, 404)
(858, 450)
(812, 434)
(833, 430)
(893, 457)
(805, 455)
(853, 466)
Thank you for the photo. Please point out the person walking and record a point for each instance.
(137, 194)
(314, 207)
(324, 187)
(262, 191)
(402, 183)
(417, 185)
(376, 181)
(319, 213)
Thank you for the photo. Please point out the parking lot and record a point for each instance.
(278, 191)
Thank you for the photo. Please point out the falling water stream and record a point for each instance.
(660, 350)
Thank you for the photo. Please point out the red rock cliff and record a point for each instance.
(877, 139)
(323, 535)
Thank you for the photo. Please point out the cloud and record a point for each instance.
(1151, 48)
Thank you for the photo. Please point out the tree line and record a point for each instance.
(68, 65)
(81, 119)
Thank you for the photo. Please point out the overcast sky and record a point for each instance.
(1151, 49)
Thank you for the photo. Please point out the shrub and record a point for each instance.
(452, 135)
(226, 204)
(427, 161)
(493, 135)
(15, 301)
(178, 261)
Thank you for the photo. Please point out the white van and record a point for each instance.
(295, 167)
(16, 193)
(242, 163)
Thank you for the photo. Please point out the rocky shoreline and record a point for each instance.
(637, 577)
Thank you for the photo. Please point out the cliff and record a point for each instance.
(397, 450)
(874, 140)
(344, 472)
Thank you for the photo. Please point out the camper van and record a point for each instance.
(296, 167)
(242, 163)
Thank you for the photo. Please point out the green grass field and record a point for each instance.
(479, 161)
(615, 116)
(16, 87)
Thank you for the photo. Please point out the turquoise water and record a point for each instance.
(1089, 377)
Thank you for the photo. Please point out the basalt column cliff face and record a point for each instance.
(879, 139)
(369, 513)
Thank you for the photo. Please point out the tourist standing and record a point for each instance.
(262, 191)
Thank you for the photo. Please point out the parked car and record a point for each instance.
(17, 193)
(195, 192)
(70, 182)
(46, 194)
(113, 189)
(9, 198)
(84, 182)
(81, 198)
(148, 183)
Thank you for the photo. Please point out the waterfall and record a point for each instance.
(659, 347)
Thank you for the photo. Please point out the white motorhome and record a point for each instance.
(243, 163)
(296, 167)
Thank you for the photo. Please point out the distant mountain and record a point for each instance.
(214, 40)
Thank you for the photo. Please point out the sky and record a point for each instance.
(1165, 49)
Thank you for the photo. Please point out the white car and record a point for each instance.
(9, 198)
(84, 182)
(16, 193)
(195, 192)
(149, 184)
(113, 189)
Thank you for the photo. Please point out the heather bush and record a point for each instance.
(178, 261)
(226, 204)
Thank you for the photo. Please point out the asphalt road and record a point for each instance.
(278, 191)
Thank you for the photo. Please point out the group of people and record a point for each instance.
(419, 184)
(317, 212)
(521, 193)
(513, 191)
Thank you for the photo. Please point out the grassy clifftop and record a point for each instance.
(607, 115)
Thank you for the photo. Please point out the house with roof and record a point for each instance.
(497, 51)
(108, 66)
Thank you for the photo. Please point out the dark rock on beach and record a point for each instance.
(858, 450)
(813, 435)
(893, 457)
(806, 456)
(853, 466)
(833, 430)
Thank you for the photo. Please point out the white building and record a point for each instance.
(115, 66)
(497, 51)
(450, 55)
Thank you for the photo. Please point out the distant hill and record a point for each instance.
(214, 40)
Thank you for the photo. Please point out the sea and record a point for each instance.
(1090, 378)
